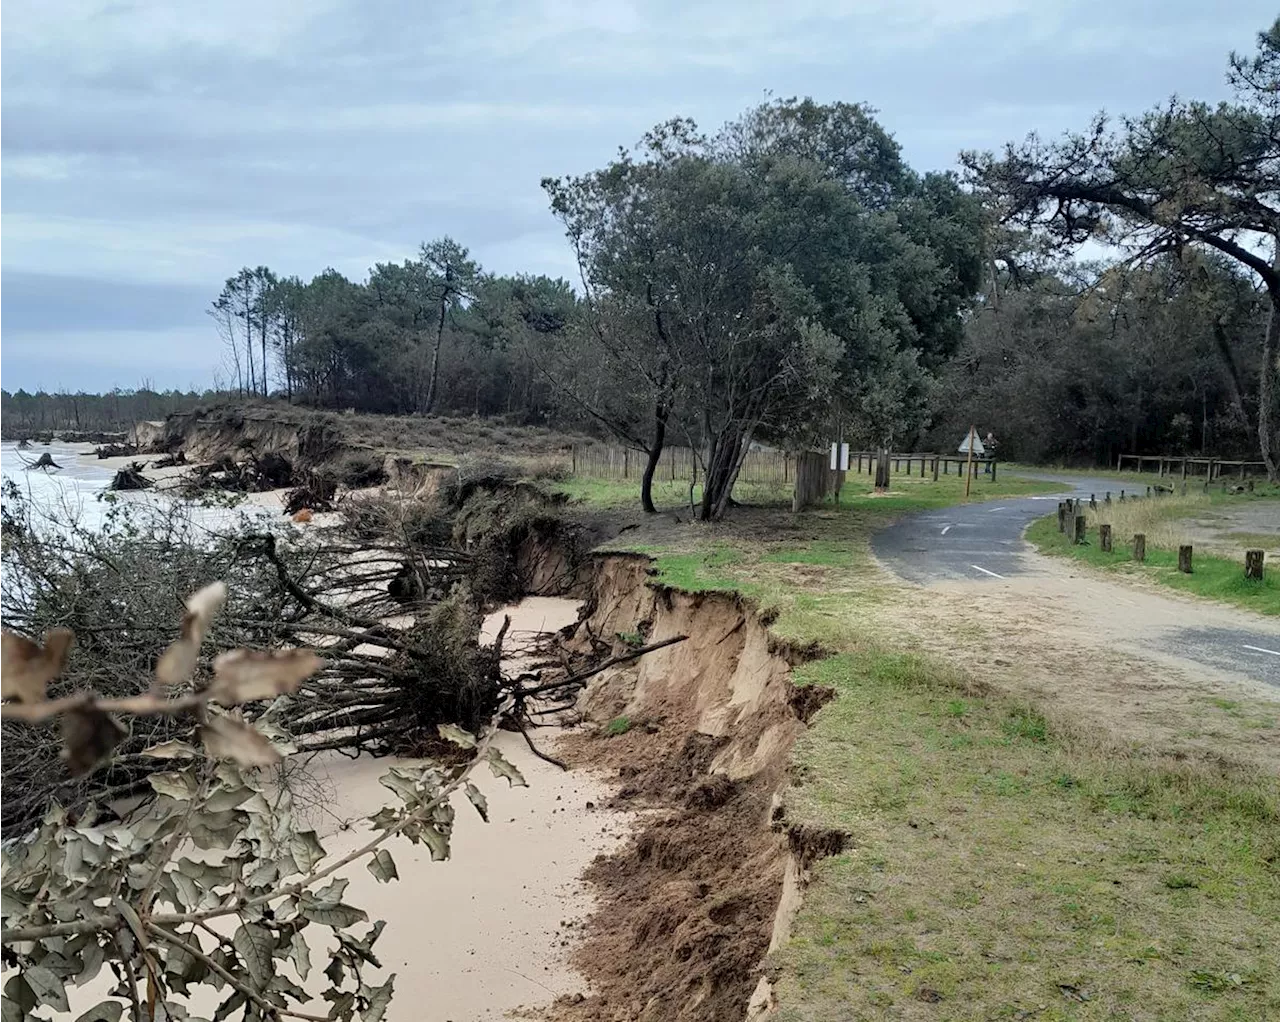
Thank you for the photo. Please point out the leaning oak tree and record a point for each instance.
(1187, 175)
(213, 882)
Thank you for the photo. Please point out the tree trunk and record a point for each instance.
(722, 470)
(430, 400)
(660, 414)
(1266, 391)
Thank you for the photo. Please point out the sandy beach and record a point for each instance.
(483, 933)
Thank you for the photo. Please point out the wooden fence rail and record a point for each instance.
(770, 467)
(1183, 466)
(677, 464)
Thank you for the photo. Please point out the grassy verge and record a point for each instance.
(1002, 866)
(1005, 869)
(906, 493)
(1212, 577)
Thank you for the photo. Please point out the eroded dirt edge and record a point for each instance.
(710, 880)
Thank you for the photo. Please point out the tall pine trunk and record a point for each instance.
(430, 400)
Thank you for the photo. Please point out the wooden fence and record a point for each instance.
(770, 467)
(1210, 468)
(677, 464)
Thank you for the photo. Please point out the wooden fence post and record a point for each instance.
(1078, 538)
(935, 468)
(1184, 470)
(1184, 559)
(993, 471)
(1104, 538)
(1062, 516)
(1140, 547)
(1253, 564)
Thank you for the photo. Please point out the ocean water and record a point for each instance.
(69, 493)
(74, 492)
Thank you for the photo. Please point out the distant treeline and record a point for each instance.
(22, 412)
(790, 277)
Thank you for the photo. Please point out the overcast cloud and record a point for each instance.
(151, 149)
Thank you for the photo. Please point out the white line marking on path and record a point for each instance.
(1259, 649)
(985, 572)
(946, 530)
(995, 509)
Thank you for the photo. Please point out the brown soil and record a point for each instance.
(687, 909)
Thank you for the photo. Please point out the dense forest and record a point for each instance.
(789, 275)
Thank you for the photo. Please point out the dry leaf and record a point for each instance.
(88, 736)
(228, 738)
(178, 662)
(242, 675)
(26, 668)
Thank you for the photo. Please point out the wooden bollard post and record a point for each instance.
(1078, 538)
(993, 471)
(1140, 547)
(1093, 502)
(1107, 501)
(1104, 538)
(1062, 516)
(1148, 491)
(1184, 558)
(1122, 496)
(1253, 564)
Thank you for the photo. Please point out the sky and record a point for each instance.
(149, 150)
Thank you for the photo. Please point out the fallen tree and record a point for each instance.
(391, 602)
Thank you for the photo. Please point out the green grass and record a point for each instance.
(618, 726)
(1001, 869)
(906, 493)
(1215, 578)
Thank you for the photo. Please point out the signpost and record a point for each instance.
(839, 464)
(970, 442)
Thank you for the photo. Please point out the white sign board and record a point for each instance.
(978, 449)
(840, 457)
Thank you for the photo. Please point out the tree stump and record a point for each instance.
(44, 461)
(1140, 547)
(1253, 564)
(1079, 531)
(1184, 559)
(1104, 538)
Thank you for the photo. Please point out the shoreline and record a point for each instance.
(489, 931)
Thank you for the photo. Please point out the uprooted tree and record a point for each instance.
(1186, 176)
(96, 888)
